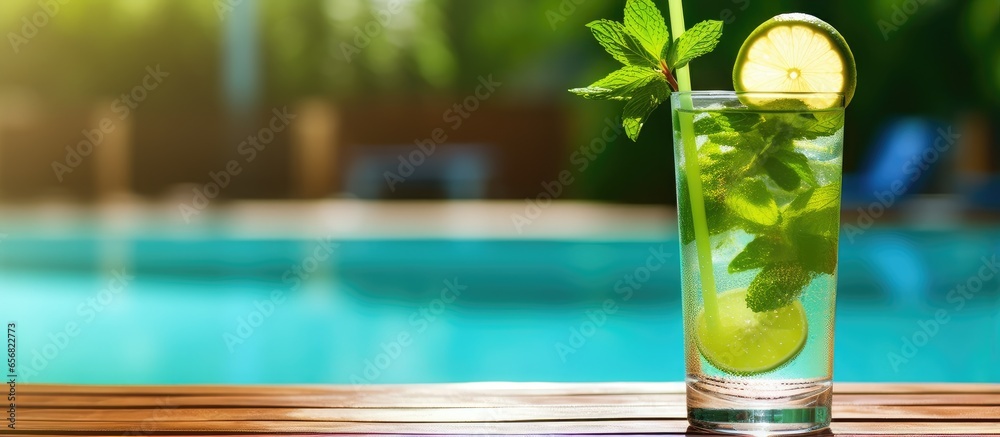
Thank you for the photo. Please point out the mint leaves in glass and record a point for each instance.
(757, 178)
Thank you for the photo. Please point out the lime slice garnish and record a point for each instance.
(796, 53)
(745, 342)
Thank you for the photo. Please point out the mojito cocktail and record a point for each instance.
(759, 208)
(758, 193)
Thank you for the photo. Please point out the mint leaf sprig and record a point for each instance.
(642, 43)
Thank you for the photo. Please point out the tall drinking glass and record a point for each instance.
(758, 189)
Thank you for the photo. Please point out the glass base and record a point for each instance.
(759, 406)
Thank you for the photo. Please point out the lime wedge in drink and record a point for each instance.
(796, 53)
(747, 343)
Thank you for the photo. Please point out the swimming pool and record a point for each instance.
(211, 308)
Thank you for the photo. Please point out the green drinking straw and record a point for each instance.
(693, 172)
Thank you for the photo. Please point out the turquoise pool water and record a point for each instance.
(206, 310)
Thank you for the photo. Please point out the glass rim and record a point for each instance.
(711, 93)
(830, 100)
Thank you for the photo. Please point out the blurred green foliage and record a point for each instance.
(88, 49)
(938, 61)
(347, 47)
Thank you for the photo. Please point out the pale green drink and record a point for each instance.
(759, 337)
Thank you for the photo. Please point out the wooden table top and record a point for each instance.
(465, 409)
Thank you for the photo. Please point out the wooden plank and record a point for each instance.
(689, 432)
(915, 412)
(382, 415)
(516, 428)
(499, 414)
(580, 427)
(506, 389)
(915, 428)
(479, 388)
(449, 401)
(444, 400)
(477, 408)
(982, 399)
(886, 388)
(339, 401)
